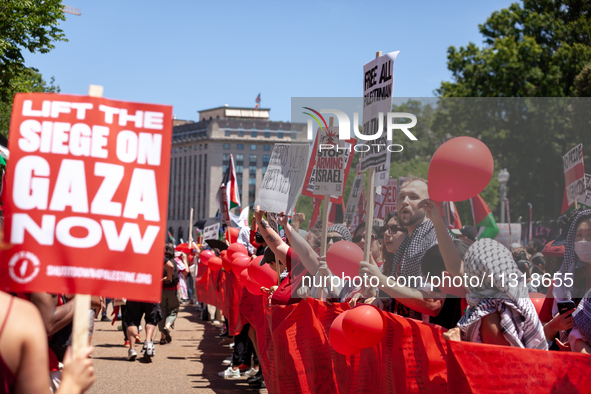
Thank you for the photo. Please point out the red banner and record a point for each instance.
(86, 196)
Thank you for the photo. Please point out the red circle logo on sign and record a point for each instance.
(23, 267)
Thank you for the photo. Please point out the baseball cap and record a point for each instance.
(553, 250)
(268, 257)
(467, 231)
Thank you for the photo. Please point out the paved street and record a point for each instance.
(189, 364)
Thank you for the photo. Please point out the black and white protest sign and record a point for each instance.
(354, 196)
(284, 179)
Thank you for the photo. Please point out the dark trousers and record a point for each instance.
(243, 348)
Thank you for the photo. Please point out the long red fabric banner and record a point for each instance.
(296, 355)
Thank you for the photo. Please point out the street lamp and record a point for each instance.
(503, 178)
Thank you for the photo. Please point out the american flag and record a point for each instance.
(257, 100)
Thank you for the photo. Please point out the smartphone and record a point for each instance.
(564, 306)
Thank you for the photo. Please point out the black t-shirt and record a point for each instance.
(450, 313)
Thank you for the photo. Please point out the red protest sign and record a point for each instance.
(574, 174)
(86, 196)
(309, 189)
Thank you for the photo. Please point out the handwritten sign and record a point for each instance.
(574, 174)
(211, 232)
(386, 201)
(507, 237)
(378, 85)
(284, 178)
(353, 200)
(331, 162)
(87, 188)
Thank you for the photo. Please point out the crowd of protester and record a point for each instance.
(413, 242)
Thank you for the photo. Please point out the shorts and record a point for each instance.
(135, 311)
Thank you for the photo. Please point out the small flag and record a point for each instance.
(258, 101)
(483, 217)
(454, 217)
(231, 187)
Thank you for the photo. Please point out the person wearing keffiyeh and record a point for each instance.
(498, 312)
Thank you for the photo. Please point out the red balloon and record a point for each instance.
(264, 275)
(232, 235)
(538, 300)
(460, 169)
(243, 276)
(236, 248)
(364, 326)
(240, 264)
(337, 338)
(343, 257)
(215, 263)
(227, 263)
(252, 286)
(206, 255)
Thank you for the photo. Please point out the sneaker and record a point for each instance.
(149, 350)
(131, 355)
(119, 328)
(166, 333)
(251, 372)
(126, 344)
(232, 345)
(105, 318)
(230, 373)
(216, 322)
(227, 361)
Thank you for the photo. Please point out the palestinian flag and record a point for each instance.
(483, 217)
(454, 217)
(229, 180)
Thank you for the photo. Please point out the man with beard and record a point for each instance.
(407, 300)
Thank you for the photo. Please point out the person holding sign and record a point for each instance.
(23, 353)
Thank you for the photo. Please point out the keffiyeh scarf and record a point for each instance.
(520, 324)
(582, 317)
(412, 250)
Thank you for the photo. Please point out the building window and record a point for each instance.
(205, 147)
(253, 134)
(253, 160)
(252, 181)
(239, 180)
(241, 133)
(226, 162)
(227, 133)
(200, 146)
(267, 134)
(226, 157)
(253, 147)
(266, 147)
(239, 146)
(239, 169)
(279, 135)
(226, 146)
(239, 158)
(252, 170)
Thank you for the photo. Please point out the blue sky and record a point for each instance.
(197, 55)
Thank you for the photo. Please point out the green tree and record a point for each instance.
(30, 25)
(536, 48)
(29, 80)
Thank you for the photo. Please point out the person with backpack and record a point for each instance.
(169, 304)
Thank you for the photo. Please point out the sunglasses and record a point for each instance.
(394, 228)
(333, 239)
(360, 237)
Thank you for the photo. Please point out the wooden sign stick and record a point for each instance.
(325, 211)
(82, 301)
(191, 229)
(371, 195)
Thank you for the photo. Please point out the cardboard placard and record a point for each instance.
(378, 86)
(386, 201)
(331, 163)
(574, 174)
(309, 187)
(87, 193)
(284, 179)
(211, 232)
(354, 196)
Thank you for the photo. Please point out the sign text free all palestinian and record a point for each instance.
(574, 174)
(378, 86)
(86, 196)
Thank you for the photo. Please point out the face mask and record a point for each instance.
(583, 250)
